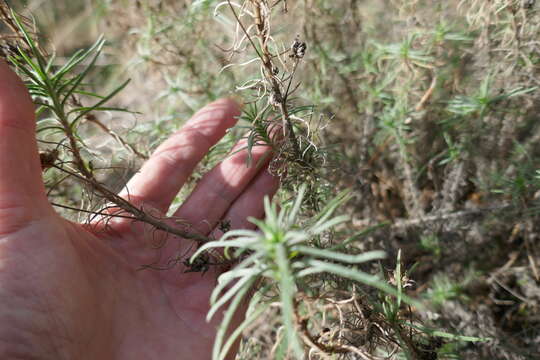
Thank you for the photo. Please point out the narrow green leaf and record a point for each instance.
(238, 242)
(250, 319)
(323, 226)
(78, 58)
(227, 318)
(98, 104)
(287, 291)
(73, 86)
(443, 334)
(345, 258)
(224, 298)
(357, 275)
(296, 206)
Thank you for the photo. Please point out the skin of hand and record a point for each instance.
(72, 291)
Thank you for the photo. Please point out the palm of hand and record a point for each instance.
(74, 291)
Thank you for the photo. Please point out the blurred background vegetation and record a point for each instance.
(427, 111)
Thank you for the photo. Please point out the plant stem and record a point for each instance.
(88, 177)
(268, 69)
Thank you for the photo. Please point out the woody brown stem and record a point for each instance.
(281, 98)
(268, 68)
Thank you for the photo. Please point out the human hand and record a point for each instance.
(71, 291)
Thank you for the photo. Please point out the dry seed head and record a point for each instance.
(528, 4)
(298, 49)
(48, 158)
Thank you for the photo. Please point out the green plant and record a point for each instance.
(483, 100)
(280, 257)
(432, 244)
(444, 289)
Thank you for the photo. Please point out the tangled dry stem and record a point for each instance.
(278, 92)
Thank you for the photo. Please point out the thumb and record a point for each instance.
(21, 186)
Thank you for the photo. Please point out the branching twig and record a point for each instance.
(138, 214)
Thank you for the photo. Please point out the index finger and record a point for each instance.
(162, 176)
